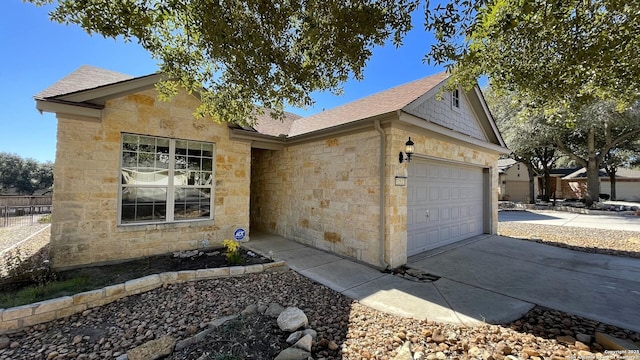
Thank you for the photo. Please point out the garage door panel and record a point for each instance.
(451, 195)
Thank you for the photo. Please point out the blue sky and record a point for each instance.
(37, 52)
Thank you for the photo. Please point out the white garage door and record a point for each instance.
(444, 204)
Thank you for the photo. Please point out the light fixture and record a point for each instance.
(409, 149)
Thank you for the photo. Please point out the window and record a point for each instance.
(455, 99)
(165, 180)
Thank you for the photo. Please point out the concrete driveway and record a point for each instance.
(599, 287)
(559, 218)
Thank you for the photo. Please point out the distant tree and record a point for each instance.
(599, 128)
(622, 156)
(26, 176)
(529, 139)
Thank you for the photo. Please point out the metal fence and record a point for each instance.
(23, 210)
(22, 215)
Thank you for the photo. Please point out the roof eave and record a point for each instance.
(103, 93)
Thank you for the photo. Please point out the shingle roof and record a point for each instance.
(265, 124)
(84, 78)
(620, 173)
(377, 104)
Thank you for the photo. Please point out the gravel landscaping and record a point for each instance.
(346, 329)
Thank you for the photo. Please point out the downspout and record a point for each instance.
(383, 144)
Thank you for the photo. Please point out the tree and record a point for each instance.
(621, 156)
(243, 54)
(559, 54)
(599, 128)
(25, 176)
(530, 139)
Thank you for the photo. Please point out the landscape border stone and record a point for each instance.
(17, 318)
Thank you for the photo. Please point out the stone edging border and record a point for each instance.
(17, 318)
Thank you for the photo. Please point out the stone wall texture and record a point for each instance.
(323, 193)
(84, 220)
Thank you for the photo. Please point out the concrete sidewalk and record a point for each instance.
(443, 301)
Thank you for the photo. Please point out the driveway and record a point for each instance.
(599, 287)
(560, 218)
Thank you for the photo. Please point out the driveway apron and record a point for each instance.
(599, 287)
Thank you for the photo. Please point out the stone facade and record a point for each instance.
(85, 226)
(322, 193)
(325, 193)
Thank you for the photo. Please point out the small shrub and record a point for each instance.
(233, 255)
(45, 219)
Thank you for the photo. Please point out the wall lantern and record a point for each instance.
(409, 149)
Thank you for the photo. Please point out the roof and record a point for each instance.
(620, 173)
(85, 91)
(505, 164)
(380, 103)
(84, 78)
(265, 124)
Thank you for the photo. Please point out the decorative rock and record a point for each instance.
(418, 355)
(313, 333)
(76, 340)
(581, 346)
(292, 319)
(52, 355)
(304, 343)
(503, 349)
(4, 342)
(612, 343)
(531, 352)
(566, 339)
(583, 338)
(440, 355)
(274, 310)
(14, 345)
(154, 349)
(437, 336)
(404, 352)
(293, 354)
(251, 309)
(332, 346)
(294, 337)
(475, 351)
(123, 357)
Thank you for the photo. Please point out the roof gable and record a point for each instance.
(441, 111)
(84, 78)
(380, 103)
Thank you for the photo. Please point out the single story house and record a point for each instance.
(135, 176)
(513, 181)
(574, 185)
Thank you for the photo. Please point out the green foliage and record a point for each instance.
(239, 54)
(45, 219)
(24, 175)
(232, 252)
(45, 291)
(560, 55)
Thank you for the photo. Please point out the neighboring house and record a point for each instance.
(574, 185)
(513, 181)
(135, 176)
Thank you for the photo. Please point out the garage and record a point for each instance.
(444, 204)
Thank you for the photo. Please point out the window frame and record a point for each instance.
(455, 99)
(171, 187)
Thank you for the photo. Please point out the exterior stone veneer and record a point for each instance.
(325, 193)
(84, 221)
(17, 318)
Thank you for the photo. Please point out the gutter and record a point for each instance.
(383, 144)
